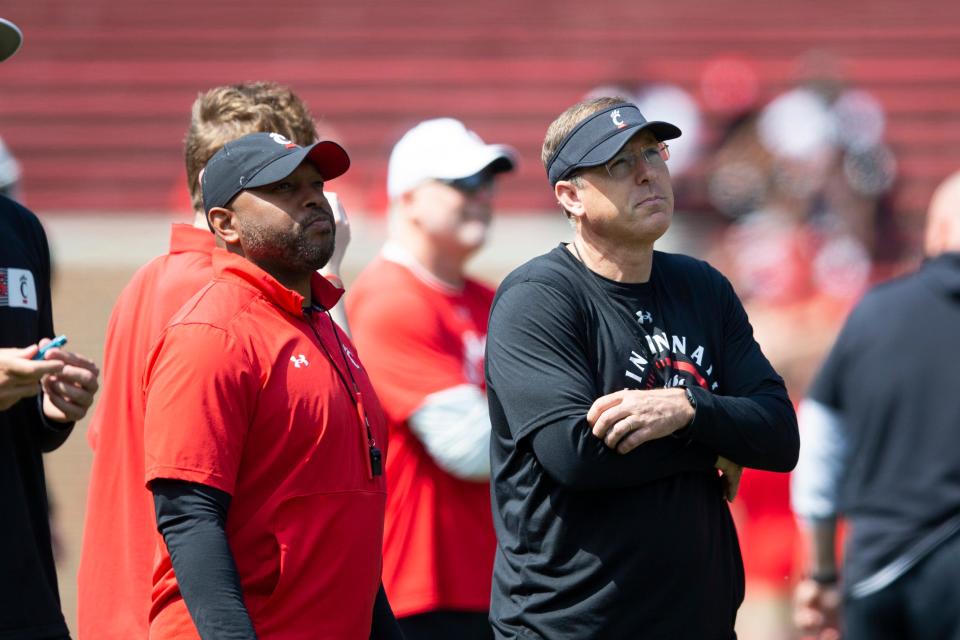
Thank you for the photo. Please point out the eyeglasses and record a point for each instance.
(624, 164)
(471, 184)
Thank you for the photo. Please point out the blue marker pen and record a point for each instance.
(59, 341)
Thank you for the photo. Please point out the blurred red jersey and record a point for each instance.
(119, 543)
(416, 338)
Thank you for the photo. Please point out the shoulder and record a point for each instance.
(680, 266)
(478, 289)
(225, 305)
(894, 301)
(23, 221)
(386, 292)
(546, 292)
(551, 270)
(381, 283)
(891, 292)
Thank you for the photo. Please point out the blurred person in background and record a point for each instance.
(880, 428)
(619, 379)
(263, 437)
(119, 541)
(9, 173)
(420, 324)
(804, 183)
(30, 425)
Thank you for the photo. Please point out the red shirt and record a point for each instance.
(248, 394)
(418, 338)
(116, 562)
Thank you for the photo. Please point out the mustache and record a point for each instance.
(322, 214)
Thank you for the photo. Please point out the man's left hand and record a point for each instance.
(341, 238)
(626, 419)
(68, 394)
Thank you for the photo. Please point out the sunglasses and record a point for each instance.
(471, 184)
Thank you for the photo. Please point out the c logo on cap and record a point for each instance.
(283, 140)
(617, 119)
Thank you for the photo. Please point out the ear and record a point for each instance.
(410, 208)
(568, 195)
(224, 224)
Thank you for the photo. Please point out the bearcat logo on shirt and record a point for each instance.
(474, 347)
(672, 365)
(17, 288)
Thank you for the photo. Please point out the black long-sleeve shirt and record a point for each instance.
(29, 601)
(592, 543)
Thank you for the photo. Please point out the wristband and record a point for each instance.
(692, 399)
(824, 578)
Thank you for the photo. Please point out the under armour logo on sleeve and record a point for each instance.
(299, 361)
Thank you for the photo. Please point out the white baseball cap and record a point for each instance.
(442, 149)
(10, 39)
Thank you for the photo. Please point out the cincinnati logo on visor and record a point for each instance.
(617, 119)
(283, 140)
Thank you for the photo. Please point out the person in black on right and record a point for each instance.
(620, 379)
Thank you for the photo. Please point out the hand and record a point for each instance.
(816, 610)
(68, 393)
(626, 419)
(731, 474)
(20, 374)
(342, 238)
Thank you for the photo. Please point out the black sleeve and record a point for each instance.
(191, 518)
(753, 423)
(384, 626)
(49, 435)
(539, 373)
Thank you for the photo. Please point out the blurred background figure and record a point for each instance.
(420, 324)
(803, 183)
(880, 426)
(9, 173)
(42, 395)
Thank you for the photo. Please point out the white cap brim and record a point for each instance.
(442, 149)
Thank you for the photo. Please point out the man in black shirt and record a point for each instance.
(66, 382)
(619, 379)
(881, 427)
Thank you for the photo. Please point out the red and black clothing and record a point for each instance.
(593, 543)
(119, 535)
(252, 395)
(29, 600)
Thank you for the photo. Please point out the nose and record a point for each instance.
(314, 195)
(484, 194)
(643, 171)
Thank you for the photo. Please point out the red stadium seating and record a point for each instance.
(96, 103)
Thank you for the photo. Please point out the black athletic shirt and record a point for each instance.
(592, 543)
(29, 601)
(892, 375)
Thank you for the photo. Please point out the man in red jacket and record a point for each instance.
(263, 437)
(119, 541)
